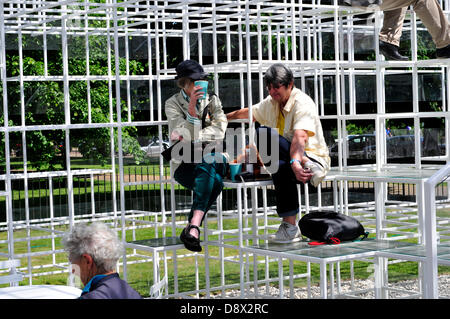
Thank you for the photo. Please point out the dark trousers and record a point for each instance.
(205, 180)
(284, 178)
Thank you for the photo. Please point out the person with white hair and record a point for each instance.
(93, 250)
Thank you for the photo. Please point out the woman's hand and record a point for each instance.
(175, 136)
(193, 98)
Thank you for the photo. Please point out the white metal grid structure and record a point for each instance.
(236, 41)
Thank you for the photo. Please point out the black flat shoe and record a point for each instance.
(443, 53)
(390, 52)
(190, 242)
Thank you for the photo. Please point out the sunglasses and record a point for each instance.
(273, 86)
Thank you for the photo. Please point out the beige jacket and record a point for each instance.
(176, 109)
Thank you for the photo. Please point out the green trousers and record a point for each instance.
(204, 179)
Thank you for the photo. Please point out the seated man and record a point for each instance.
(290, 116)
(94, 251)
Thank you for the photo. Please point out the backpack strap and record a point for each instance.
(365, 235)
(335, 241)
(330, 241)
(206, 111)
(316, 243)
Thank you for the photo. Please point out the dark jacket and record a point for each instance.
(110, 287)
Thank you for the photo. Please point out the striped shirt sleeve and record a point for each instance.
(193, 120)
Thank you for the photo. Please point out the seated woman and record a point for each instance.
(195, 119)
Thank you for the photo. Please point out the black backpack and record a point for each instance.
(330, 227)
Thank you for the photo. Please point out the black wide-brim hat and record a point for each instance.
(191, 69)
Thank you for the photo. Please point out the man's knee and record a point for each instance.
(289, 213)
(269, 144)
(284, 174)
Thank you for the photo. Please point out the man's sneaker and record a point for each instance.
(318, 172)
(286, 233)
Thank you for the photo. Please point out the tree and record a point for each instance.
(44, 103)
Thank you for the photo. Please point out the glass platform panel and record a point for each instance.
(344, 248)
(258, 182)
(304, 249)
(377, 244)
(279, 247)
(329, 251)
(444, 255)
(419, 251)
(444, 243)
(370, 173)
(159, 242)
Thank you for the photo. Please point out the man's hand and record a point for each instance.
(301, 174)
(297, 151)
(238, 114)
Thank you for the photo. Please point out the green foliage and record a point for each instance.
(44, 103)
(353, 129)
(131, 146)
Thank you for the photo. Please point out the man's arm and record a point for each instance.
(297, 151)
(239, 114)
